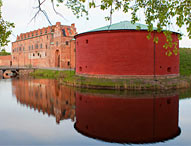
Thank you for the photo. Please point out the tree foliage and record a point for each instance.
(160, 12)
(5, 29)
(163, 13)
(4, 53)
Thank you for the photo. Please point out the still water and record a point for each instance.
(42, 112)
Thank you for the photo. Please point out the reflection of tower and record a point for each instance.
(128, 119)
(46, 96)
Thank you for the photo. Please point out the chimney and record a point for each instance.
(73, 25)
(58, 23)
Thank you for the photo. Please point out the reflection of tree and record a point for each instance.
(46, 96)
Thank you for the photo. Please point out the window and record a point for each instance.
(40, 31)
(32, 47)
(28, 35)
(68, 63)
(33, 54)
(23, 48)
(38, 54)
(169, 69)
(46, 46)
(56, 43)
(67, 42)
(20, 49)
(80, 68)
(32, 34)
(47, 37)
(41, 46)
(36, 33)
(29, 47)
(86, 41)
(45, 31)
(36, 46)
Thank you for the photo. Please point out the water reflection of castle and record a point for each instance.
(127, 119)
(46, 96)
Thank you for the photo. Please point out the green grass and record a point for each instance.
(51, 74)
(185, 61)
(69, 78)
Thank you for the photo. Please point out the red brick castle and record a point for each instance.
(48, 47)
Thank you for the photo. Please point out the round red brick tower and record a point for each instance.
(121, 50)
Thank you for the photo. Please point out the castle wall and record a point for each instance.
(46, 47)
(124, 52)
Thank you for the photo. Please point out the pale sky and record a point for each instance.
(21, 12)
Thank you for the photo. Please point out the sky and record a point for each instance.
(20, 12)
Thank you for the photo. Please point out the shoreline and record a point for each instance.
(70, 79)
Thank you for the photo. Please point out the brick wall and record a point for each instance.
(5, 60)
(47, 47)
(124, 52)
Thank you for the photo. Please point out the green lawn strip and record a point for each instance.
(70, 78)
(51, 74)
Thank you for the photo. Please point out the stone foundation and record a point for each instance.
(130, 76)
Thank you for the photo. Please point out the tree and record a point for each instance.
(164, 13)
(4, 53)
(161, 12)
(5, 29)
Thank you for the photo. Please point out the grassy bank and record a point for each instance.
(51, 74)
(129, 84)
(185, 61)
(69, 78)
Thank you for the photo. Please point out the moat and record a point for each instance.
(43, 112)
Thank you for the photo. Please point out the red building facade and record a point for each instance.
(122, 50)
(53, 46)
(6, 60)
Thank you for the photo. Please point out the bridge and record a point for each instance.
(14, 70)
